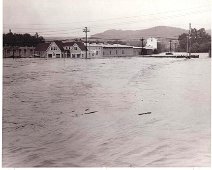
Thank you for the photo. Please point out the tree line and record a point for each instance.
(199, 39)
(21, 40)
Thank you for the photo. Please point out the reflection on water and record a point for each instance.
(69, 113)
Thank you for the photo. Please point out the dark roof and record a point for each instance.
(42, 47)
(60, 45)
(68, 44)
(80, 45)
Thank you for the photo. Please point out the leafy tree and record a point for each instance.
(195, 47)
(200, 41)
(21, 40)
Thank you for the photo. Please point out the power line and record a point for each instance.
(142, 15)
(143, 20)
(68, 31)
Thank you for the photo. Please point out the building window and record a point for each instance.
(122, 51)
(24, 51)
(53, 48)
(110, 52)
(75, 48)
(96, 52)
(116, 52)
(103, 53)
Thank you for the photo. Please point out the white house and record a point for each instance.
(74, 49)
(55, 50)
(58, 49)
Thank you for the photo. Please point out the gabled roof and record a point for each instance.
(80, 45)
(42, 47)
(68, 44)
(60, 45)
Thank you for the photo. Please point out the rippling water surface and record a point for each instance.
(68, 113)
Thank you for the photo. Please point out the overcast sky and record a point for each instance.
(68, 17)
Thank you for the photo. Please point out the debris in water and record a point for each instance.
(144, 113)
(86, 109)
(11, 122)
(74, 70)
(91, 112)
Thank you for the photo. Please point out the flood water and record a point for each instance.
(76, 112)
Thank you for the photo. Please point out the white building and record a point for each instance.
(109, 50)
(74, 49)
(58, 49)
(117, 50)
(95, 50)
(55, 50)
(151, 43)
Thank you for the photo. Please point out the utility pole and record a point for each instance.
(187, 43)
(142, 45)
(86, 40)
(189, 38)
(170, 45)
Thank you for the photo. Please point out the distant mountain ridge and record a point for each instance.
(159, 31)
